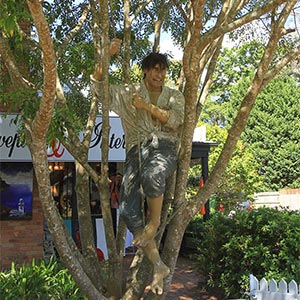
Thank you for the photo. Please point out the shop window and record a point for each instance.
(62, 186)
(94, 193)
(62, 177)
(95, 200)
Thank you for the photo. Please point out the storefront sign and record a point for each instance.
(11, 148)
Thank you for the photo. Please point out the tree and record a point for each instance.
(270, 129)
(204, 27)
(240, 179)
(272, 134)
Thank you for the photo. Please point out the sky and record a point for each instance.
(166, 45)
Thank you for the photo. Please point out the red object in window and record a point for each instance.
(100, 254)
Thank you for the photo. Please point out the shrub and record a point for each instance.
(38, 281)
(264, 242)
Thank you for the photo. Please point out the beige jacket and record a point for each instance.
(137, 124)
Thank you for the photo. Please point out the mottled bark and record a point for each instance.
(86, 227)
(37, 133)
(36, 139)
(126, 42)
(114, 270)
(162, 12)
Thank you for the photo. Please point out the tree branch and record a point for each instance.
(139, 9)
(72, 33)
(247, 18)
(239, 123)
(208, 77)
(11, 65)
(280, 65)
(180, 9)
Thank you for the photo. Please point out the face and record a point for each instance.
(154, 78)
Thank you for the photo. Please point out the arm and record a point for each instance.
(161, 114)
(114, 48)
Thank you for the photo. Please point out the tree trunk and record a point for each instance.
(86, 227)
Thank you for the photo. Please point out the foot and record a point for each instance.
(145, 236)
(159, 273)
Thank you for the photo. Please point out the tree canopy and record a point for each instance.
(273, 124)
(272, 134)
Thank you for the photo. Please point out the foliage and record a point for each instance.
(240, 180)
(272, 133)
(241, 176)
(38, 281)
(136, 75)
(174, 72)
(264, 242)
(10, 12)
(234, 63)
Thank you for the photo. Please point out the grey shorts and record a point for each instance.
(145, 176)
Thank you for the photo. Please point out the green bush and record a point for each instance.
(38, 281)
(264, 242)
(193, 236)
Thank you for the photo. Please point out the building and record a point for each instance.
(23, 230)
(22, 225)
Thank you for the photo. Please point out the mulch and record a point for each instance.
(187, 283)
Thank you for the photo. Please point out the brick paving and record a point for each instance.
(187, 283)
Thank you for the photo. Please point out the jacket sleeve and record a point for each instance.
(119, 95)
(176, 110)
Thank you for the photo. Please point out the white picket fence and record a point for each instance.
(262, 290)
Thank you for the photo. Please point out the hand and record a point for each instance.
(138, 101)
(115, 47)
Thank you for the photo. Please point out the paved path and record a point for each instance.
(187, 283)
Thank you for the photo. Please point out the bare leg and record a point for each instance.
(160, 270)
(142, 238)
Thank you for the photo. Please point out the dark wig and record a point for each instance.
(151, 60)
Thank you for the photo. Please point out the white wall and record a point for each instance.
(288, 198)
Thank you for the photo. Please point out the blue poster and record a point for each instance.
(16, 183)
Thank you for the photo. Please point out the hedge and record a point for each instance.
(264, 242)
